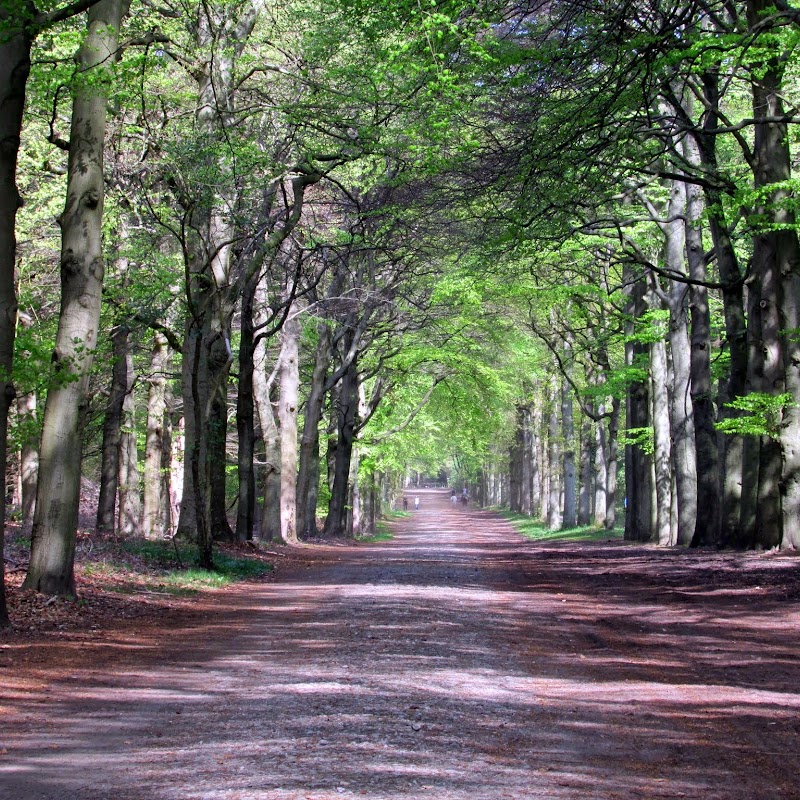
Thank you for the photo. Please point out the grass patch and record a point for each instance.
(383, 534)
(537, 531)
(160, 566)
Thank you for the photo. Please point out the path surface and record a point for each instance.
(457, 661)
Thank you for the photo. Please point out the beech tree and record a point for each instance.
(82, 269)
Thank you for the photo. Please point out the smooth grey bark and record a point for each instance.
(553, 461)
(600, 472)
(51, 569)
(112, 431)
(263, 382)
(21, 23)
(659, 395)
(515, 459)
(29, 458)
(287, 419)
(309, 459)
(535, 448)
(611, 464)
(527, 456)
(707, 523)
(27, 410)
(585, 468)
(154, 523)
(569, 517)
(129, 507)
(683, 450)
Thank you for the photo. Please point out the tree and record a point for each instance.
(82, 269)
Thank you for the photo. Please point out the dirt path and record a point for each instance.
(455, 662)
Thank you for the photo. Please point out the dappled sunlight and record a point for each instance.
(456, 661)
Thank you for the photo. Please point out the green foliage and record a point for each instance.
(761, 415)
(642, 438)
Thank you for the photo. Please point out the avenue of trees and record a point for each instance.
(260, 264)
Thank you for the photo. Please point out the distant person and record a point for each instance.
(454, 498)
(405, 503)
(416, 504)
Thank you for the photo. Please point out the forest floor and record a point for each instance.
(456, 661)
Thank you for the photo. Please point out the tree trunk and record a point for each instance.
(661, 439)
(29, 457)
(554, 463)
(263, 382)
(515, 458)
(585, 495)
(733, 308)
(611, 465)
(51, 569)
(535, 447)
(15, 64)
(346, 413)
(154, 523)
(570, 515)
(684, 453)
(746, 533)
(600, 472)
(638, 464)
(177, 457)
(130, 507)
(707, 524)
(287, 416)
(245, 419)
(308, 475)
(776, 258)
(112, 432)
(526, 467)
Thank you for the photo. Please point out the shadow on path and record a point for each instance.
(456, 661)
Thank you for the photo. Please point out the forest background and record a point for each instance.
(263, 265)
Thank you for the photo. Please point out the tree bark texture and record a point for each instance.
(776, 258)
(15, 65)
(570, 509)
(51, 569)
(154, 523)
(707, 523)
(346, 418)
(308, 475)
(287, 417)
(554, 462)
(130, 506)
(585, 467)
(638, 464)
(112, 431)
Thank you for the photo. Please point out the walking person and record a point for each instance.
(416, 504)
(405, 503)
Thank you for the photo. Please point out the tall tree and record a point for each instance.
(51, 569)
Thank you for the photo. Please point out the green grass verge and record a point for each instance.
(537, 531)
(161, 566)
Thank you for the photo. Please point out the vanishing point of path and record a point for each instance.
(456, 661)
